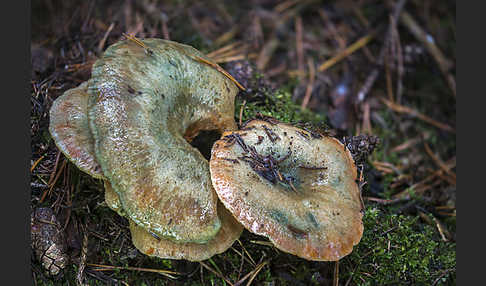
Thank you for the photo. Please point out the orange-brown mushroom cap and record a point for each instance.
(294, 187)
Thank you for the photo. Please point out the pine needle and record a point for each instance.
(101, 267)
(251, 274)
(216, 273)
(138, 42)
(36, 163)
(404, 109)
(346, 52)
(221, 70)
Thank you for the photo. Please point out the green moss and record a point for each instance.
(398, 250)
(279, 105)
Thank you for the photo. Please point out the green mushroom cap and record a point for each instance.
(134, 119)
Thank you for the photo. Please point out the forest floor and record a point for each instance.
(383, 68)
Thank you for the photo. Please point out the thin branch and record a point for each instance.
(370, 81)
(310, 84)
(445, 65)
(404, 109)
(216, 273)
(346, 52)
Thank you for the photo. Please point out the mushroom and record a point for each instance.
(295, 187)
(130, 125)
(70, 130)
(152, 245)
(112, 200)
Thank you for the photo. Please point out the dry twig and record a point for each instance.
(421, 186)
(285, 5)
(252, 274)
(216, 273)
(266, 52)
(375, 72)
(226, 36)
(51, 185)
(299, 43)
(399, 55)
(310, 83)
(240, 118)
(246, 252)
(404, 109)
(82, 259)
(346, 52)
(409, 143)
(441, 164)
(335, 280)
(444, 233)
(383, 201)
(36, 163)
(102, 42)
(444, 64)
(227, 51)
(221, 70)
(101, 267)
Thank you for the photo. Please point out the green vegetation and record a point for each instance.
(400, 250)
(279, 105)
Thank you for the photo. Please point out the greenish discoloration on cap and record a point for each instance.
(140, 109)
(144, 107)
(319, 216)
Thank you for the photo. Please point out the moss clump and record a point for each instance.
(278, 104)
(398, 250)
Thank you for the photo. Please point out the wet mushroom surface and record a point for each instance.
(295, 187)
(70, 129)
(131, 125)
(150, 244)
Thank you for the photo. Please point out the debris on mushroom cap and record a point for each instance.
(48, 241)
(70, 130)
(296, 188)
(144, 102)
